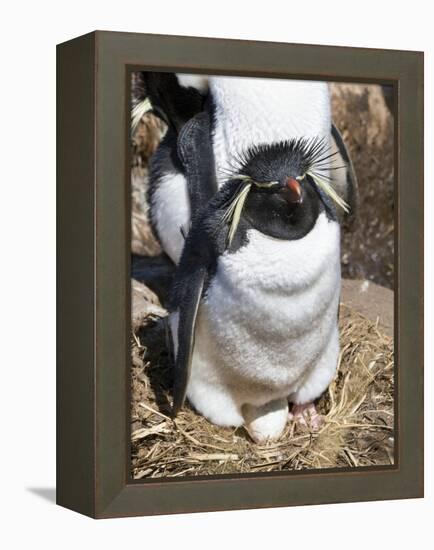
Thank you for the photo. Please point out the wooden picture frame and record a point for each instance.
(93, 273)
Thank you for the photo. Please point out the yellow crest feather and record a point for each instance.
(137, 113)
(233, 213)
(327, 188)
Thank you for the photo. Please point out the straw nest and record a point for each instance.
(144, 143)
(358, 427)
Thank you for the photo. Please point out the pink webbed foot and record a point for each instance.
(306, 415)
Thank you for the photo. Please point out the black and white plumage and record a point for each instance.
(171, 195)
(254, 306)
(243, 112)
(255, 323)
(185, 146)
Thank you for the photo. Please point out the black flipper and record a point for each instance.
(205, 242)
(197, 156)
(188, 309)
(351, 191)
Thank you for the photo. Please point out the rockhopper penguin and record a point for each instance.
(255, 300)
(256, 292)
(235, 113)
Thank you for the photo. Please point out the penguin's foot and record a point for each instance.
(307, 416)
(267, 422)
(214, 403)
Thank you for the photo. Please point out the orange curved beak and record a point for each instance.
(294, 189)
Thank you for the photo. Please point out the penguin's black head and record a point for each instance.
(282, 167)
(280, 189)
(275, 163)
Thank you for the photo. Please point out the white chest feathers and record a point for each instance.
(269, 317)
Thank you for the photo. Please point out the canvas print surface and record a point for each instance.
(262, 275)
